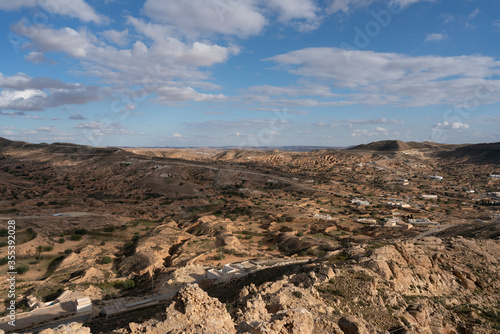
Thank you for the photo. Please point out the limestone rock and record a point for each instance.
(297, 321)
(191, 312)
(352, 325)
(73, 328)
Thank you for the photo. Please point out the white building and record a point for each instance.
(398, 203)
(422, 222)
(83, 305)
(359, 202)
(227, 272)
(365, 220)
(392, 222)
(495, 176)
(321, 216)
(435, 177)
(403, 182)
(429, 196)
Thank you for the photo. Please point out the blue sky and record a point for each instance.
(249, 72)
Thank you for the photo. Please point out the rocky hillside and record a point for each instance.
(398, 145)
(479, 153)
(429, 286)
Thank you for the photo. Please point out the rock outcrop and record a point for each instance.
(404, 287)
(151, 251)
(192, 312)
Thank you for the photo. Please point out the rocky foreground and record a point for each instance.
(429, 286)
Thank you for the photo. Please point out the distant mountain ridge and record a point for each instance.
(398, 145)
(57, 148)
(488, 153)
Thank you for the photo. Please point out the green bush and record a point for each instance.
(109, 228)
(106, 260)
(297, 294)
(219, 257)
(22, 268)
(68, 251)
(81, 231)
(3, 243)
(48, 248)
(4, 232)
(3, 260)
(127, 284)
(62, 240)
(76, 237)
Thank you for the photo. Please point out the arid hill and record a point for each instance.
(398, 145)
(476, 153)
(326, 236)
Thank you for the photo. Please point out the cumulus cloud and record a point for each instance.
(73, 8)
(301, 13)
(75, 43)
(119, 38)
(349, 5)
(378, 131)
(35, 57)
(176, 94)
(452, 126)
(177, 135)
(195, 17)
(390, 78)
(167, 66)
(24, 93)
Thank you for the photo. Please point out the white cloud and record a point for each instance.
(305, 89)
(378, 131)
(177, 94)
(396, 79)
(474, 13)
(104, 128)
(72, 8)
(177, 135)
(350, 5)
(35, 57)
(75, 43)
(119, 38)
(301, 13)
(294, 9)
(325, 125)
(197, 17)
(166, 66)
(24, 93)
(452, 126)
(435, 37)
(373, 121)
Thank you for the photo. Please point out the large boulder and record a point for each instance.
(352, 325)
(192, 311)
(73, 328)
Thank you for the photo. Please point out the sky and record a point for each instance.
(200, 73)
